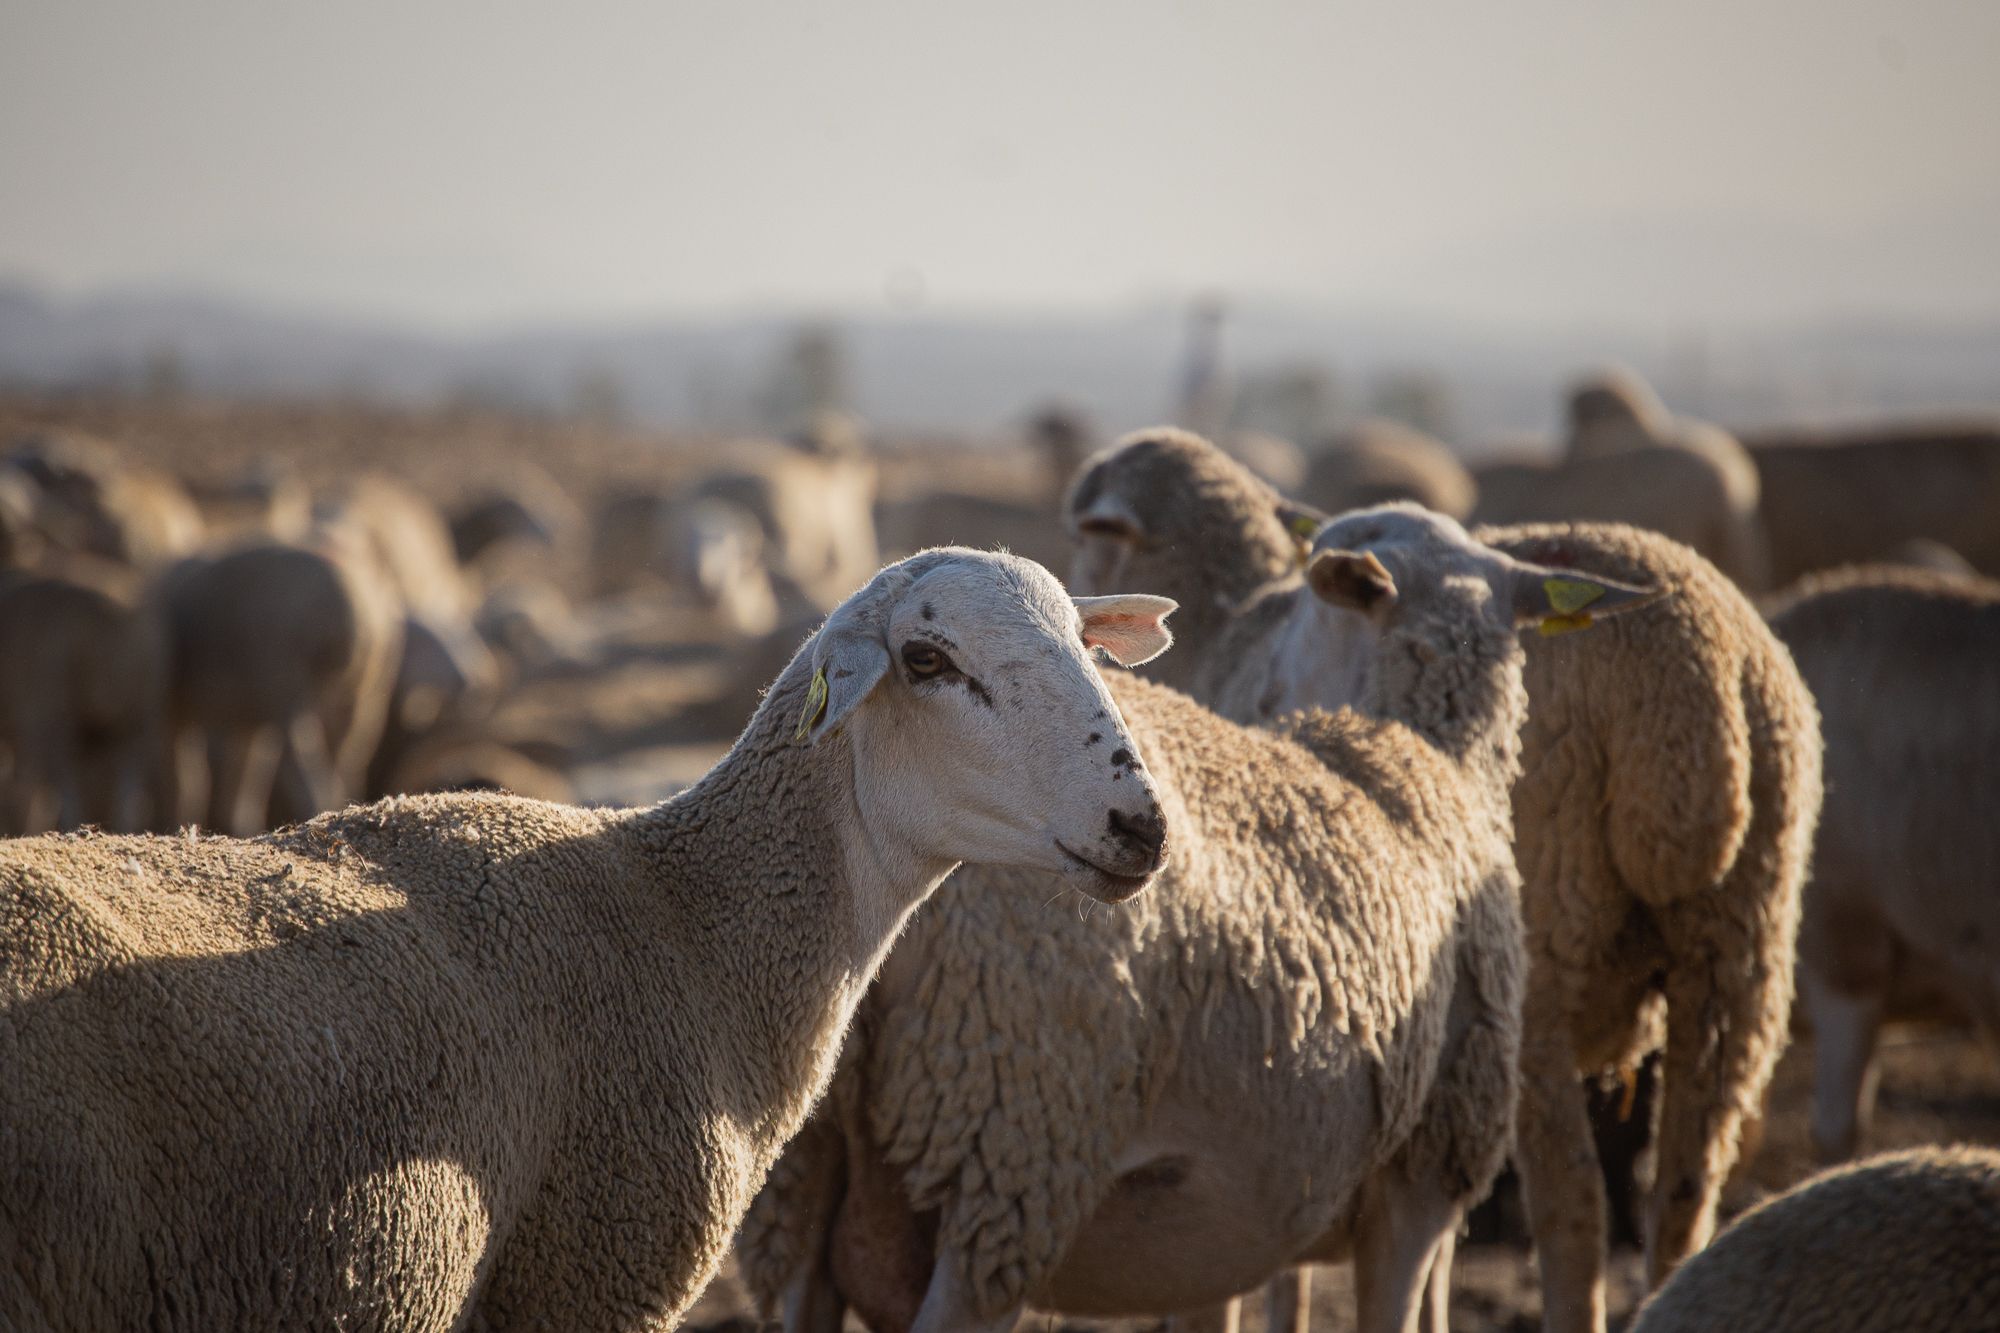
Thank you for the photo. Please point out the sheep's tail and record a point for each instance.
(1729, 994)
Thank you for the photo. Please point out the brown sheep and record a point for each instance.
(82, 667)
(282, 660)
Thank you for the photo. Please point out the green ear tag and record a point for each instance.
(1569, 596)
(815, 705)
(1304, 526)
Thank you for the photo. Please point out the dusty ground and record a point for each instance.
(1938, 1085)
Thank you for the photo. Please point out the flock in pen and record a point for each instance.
(981, 974)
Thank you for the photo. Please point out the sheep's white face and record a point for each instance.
(988, 736)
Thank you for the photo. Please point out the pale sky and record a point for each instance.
(464, 164)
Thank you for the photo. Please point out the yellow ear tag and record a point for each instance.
(815, 705)
(1554, 625)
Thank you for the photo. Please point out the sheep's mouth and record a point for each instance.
(1110, 886)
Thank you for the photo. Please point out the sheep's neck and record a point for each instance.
(1464, 696)
(797, 941)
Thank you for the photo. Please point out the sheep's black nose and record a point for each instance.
(1143, 832)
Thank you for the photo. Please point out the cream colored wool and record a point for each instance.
(1332, 955)
(1831, 499)
(1905, 666)
(1663, 821)
(1903, 1243)
(480, 1061)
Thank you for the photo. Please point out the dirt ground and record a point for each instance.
(1939, 1084)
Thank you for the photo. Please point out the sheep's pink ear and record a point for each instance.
(1355, 580)
(1129, 626)
(1557, 601)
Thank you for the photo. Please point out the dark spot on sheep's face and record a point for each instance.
(927, 613)
(978, 691)
(1122, 758)
(842, 674)
(1095, 737)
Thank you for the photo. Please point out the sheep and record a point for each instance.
(1902, 1243)
(1670, 789)
(1617, 412)
(89, 500)
(1165, 507)
(1380, 460)
(264, 500)
(476, 1060)
(1846, 497)
(1308, 1043)
(282, 657)
(1679, 493)
(81, 700)
(814, 501)
(409, 541)
(1905, 665)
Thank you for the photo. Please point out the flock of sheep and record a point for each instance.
(1454, 793)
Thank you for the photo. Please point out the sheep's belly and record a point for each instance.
(1207, 1205)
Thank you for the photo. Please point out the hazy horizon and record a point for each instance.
(453, 168)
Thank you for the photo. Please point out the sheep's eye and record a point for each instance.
(923, 660)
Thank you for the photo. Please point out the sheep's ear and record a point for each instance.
(1355, 580)
(1303, 522)
(1130, 626)
(1108, 515)
(1557, 601)
(850, 657)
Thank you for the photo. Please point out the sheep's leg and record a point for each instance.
(1396, 1238)
(307, 782)
(811, 1301)
(1844, 1027)
(244, 763)
(948, 1306)
(1436, 1314)
(1560, 1180)
(1225, 1317)
(1288, 1301)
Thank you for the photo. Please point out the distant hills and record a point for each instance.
(1296, 368)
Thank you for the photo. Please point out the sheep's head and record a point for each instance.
(1401, 566)
(1165, 511)
(988, 735)
(1614, 410)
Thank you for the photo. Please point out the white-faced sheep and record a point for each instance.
(1306, 1047)
(1903, 1243)
(1840, 498)
(1905, 666)
(478, 1061)
(1662, 823)
(1381, 460)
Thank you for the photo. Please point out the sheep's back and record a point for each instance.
(1654, 736)
(1905, 665)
